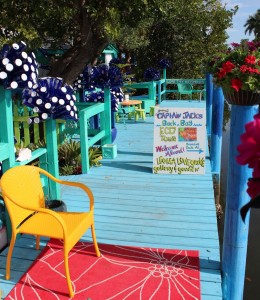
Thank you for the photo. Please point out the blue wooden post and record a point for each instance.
(216, 130)
(105, 122)
(159, 91)
(52, 157)
(209, 100)
(164, 85)
(235, 230)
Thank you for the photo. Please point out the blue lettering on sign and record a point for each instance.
(166, 115)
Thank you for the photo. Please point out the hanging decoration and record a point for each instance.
(50, 97)
(83, 80)
(116, 95)
(103, 76)
(151, 74)
(18, 69)
(164, 63)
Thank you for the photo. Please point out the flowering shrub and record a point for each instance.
(238, 68)
(249, 153)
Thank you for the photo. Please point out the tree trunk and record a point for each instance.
(89, 46)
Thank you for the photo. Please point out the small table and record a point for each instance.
(131, 104)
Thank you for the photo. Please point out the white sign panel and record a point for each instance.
(179, 140)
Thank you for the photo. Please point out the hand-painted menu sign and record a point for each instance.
(179, 140)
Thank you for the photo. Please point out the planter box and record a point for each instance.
(109, 151)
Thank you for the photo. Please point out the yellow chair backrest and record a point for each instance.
(25, 191)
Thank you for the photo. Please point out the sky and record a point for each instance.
(246, 8)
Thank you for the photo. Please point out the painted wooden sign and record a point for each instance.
(179, 140)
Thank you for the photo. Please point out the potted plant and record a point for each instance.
(237, 71)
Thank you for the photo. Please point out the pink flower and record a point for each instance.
(236, 84)
(249, 149)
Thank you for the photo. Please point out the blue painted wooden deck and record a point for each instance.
(136, 207)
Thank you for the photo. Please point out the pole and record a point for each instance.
(216, 131)
(52, 157)
(209, 100)
(106, 122)
(235, 230)
(164, 85)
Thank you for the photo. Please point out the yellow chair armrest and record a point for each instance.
(75, 184)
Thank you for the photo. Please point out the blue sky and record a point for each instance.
(246, 8)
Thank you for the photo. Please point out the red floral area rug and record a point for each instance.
(121, 272)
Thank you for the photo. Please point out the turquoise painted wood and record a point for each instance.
(236, 231)
(136, 207)
(6, 130)
(87, 141)
(89, 137)
(52, 157)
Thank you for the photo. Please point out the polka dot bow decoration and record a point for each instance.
(103, 76)
(50, 97)
(116, 95)
(18, 69)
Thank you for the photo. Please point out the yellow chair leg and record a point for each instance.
(67, 272)
(95, 240)
(9, 257)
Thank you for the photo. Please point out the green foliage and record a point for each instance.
(70, 157)
(95, 155)
(69, 154)
(253, 25)
(185, 31)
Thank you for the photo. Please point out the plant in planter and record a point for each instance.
(237, 71)
(70, 157)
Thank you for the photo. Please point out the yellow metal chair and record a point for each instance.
(24, 198)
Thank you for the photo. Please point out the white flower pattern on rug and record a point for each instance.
(124, 273)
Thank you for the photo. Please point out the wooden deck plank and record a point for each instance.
(138, 208)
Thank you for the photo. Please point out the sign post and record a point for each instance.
(179, 140)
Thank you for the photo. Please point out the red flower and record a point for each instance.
(221, 74)
(244, 68)
(236, 84)
(228, 66)
(249, 149)
(253, 187)
(250, 59)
